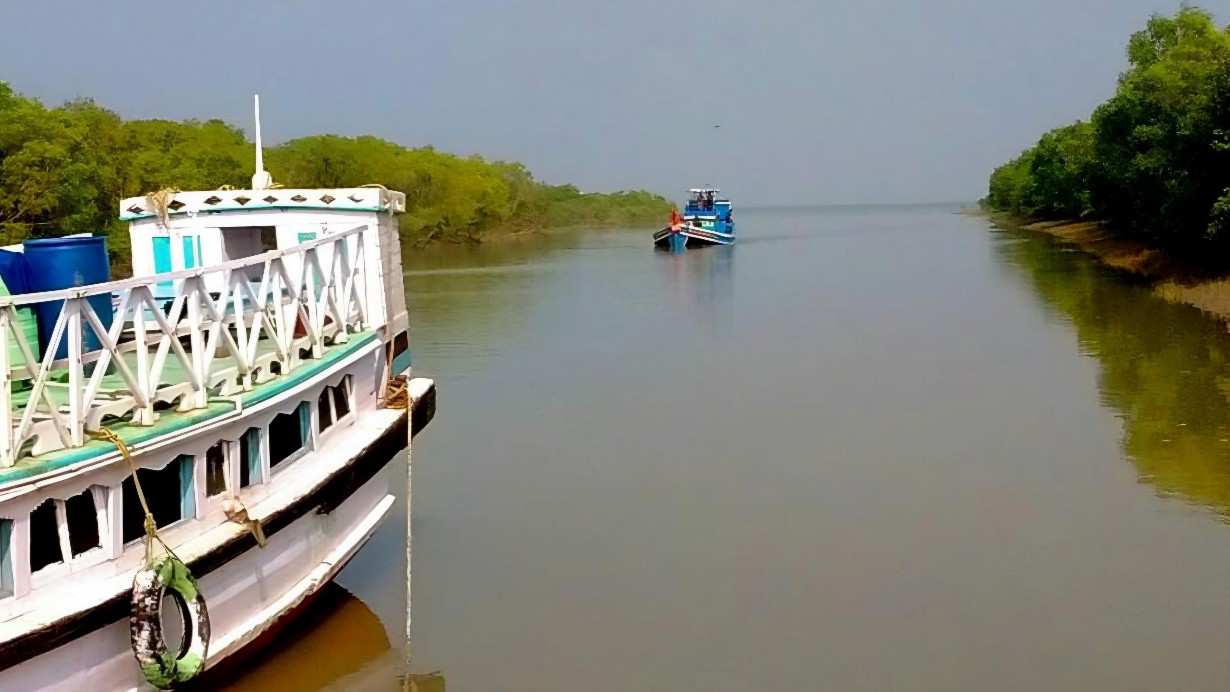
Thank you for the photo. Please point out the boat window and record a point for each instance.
(44, 537)
(82, 518)
(245, 241)
(6, 558)
(324, 408)
(269, 238)
(341, 398)
(288, 434)
(250, 457)
(168, 492)
(334, 403)
(215, 470)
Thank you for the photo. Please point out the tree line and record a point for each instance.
(65, 169)
(1154, 160)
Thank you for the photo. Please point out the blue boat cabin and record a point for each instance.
(706, 209)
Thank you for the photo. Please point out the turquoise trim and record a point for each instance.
(305, 424)
(191, 251)
(401, 362)
(162, 262)
(6, 557)
(187, 483)
(305, 237)
(251, 441)
(170, 422)
(162, 253)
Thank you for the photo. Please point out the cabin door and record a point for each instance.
(165, 262)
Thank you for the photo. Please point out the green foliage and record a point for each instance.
(1010, 183)
(453, 198)
(1059, 174)
(1219, 218)
(64, 170)
(1155, 158)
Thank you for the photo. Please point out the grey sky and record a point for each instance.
(819, 102)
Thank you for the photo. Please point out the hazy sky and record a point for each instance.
(818, 102)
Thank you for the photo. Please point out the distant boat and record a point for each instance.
(708, 219)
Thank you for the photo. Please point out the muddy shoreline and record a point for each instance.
(1171, 278)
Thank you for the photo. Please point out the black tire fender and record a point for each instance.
(162, 668)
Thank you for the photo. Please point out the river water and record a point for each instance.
(865, 449)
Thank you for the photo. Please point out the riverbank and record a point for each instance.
(1171, 278)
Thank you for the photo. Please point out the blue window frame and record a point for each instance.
(250, 458)
(163, 263)
(6, 558)
(170, 492)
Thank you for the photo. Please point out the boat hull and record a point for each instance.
(678, 238)
(249, 589)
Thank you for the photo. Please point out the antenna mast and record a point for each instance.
(261, 180)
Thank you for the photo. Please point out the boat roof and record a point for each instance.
(374, 198)
(703, 189)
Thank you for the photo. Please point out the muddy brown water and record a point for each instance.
(864, 449)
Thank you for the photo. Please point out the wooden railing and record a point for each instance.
(309, 297)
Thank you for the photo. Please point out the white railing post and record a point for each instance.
(348, 282)
(7, 453)
(193, 288)
(307, 297)
(276, 292)
(139, 297)
(76, 383)
(241, 328)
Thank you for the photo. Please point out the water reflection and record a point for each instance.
(336, 644)
(337, 636)
(700, 279)
(1165, 368)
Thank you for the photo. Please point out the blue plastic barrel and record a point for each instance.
(56, 263)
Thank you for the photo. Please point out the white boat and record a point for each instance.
(245, 369)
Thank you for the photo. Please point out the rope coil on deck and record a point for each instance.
(397, 393)
(396, 389)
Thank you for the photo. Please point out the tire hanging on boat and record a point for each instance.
(163, 668)
(158, 578)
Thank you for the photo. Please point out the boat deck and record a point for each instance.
(180, 347)
(171, 420)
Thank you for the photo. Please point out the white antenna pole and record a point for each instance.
(261, 180)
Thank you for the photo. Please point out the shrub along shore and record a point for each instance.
(1152, 164)
(64, 170)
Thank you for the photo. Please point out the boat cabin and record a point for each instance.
(708, 210)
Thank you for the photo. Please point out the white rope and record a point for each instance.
(409, 530)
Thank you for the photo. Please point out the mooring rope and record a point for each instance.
(151, 526)
(397, 396)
